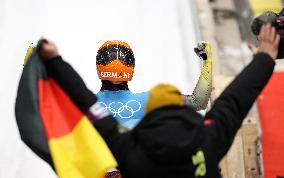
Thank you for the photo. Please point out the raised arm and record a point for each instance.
(64, 74)
(230, 109)
(71, 82)
(202, 91)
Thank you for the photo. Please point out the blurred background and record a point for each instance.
(162, 34)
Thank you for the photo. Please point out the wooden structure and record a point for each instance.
(242, 159)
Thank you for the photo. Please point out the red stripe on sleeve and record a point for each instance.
(208, 121)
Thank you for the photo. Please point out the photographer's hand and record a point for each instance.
(268, 41)
(253, 48)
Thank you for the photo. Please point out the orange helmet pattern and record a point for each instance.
(115, 61)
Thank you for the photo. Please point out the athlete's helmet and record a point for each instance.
(115, 61)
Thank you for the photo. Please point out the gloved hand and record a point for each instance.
(201, 51)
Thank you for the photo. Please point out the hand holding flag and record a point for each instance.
(52, 125)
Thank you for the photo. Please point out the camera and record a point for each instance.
(276, 20)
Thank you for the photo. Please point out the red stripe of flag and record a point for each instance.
(58, 112)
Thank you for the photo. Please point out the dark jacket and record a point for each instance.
(174, 141)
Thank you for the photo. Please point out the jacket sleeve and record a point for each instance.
(70, 81)
(74, 86)
(202, 91)
(232, 106)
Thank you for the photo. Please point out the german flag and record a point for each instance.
(55, 129)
